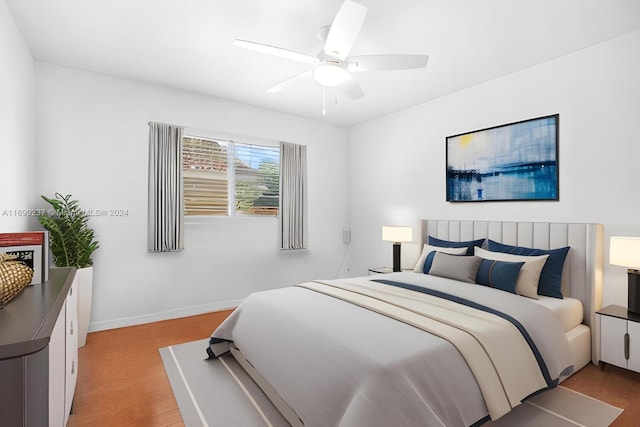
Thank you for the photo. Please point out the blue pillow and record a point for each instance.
(551, 276)
(501, 275)
(470, 244)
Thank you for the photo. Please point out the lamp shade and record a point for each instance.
(625, 251)
(397, 234)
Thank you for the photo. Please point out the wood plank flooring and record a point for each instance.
(121, 380)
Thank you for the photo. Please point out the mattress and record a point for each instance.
(568, 311)
(580, 343)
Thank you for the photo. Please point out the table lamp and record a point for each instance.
(625, 251)
(397, 235)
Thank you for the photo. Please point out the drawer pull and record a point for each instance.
(626, 346)
(71, 329)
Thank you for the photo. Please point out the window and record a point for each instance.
(230, 178)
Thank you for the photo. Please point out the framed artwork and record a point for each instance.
(516, 161)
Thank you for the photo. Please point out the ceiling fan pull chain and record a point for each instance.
(324, 109)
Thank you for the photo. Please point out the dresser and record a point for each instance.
(39, 353)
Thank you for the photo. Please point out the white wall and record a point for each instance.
(397, 162)
(17, 121)
(93, 143)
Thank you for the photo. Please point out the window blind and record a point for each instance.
(230, 178)
(205, 177)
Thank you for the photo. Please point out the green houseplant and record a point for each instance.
(72, 244)
(72, 240)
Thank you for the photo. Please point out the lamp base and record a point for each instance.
(633, 295)
(396, 257)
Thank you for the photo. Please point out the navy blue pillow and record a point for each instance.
(550, 283)
(501, 275)
(451, 244)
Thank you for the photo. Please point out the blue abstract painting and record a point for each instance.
(517, 161)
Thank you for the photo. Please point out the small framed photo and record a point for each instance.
(29, 255)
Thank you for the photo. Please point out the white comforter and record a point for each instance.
(337, 364)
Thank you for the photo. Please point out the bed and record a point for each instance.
(421, 349)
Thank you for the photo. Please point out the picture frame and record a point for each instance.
(32, 248)
(514, 161)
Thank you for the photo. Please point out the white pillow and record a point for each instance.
(427, 249)
(529, 276)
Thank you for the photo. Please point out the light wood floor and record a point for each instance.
(121, 380)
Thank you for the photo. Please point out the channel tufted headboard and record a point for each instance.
(583, 270)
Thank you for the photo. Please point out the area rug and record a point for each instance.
(218, 393)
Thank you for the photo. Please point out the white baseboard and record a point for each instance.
(164, 315)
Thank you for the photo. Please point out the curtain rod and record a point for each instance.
(168, 124)
(226, 136)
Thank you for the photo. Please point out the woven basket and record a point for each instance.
(14, 276)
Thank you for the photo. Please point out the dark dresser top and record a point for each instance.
(27, 321)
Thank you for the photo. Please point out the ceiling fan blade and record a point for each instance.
(277, 51)
(351, 88)
(386, 62)
(284, 83)
(345, 29)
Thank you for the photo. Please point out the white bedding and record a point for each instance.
(568, 311)
(335, 363)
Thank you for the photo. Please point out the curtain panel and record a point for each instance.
(293, 196)
(166, 203)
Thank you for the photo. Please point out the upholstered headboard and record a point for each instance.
(582, 275)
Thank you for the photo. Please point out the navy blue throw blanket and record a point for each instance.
(543, 366)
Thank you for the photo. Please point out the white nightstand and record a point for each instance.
(619, 337)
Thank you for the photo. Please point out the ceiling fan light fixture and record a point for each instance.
(329, 74)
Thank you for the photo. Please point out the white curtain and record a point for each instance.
(293, 196)
(166, 204)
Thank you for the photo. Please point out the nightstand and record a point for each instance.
(380, 270)
(384, 270)
(619, 337)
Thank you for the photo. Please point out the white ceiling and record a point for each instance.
(187, 44)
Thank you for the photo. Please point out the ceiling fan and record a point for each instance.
(332, 67)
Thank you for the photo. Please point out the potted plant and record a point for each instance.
(72, 244)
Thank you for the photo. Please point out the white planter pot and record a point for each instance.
(84, 278)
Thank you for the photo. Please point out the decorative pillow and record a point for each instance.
(422, 266)
(527, 284)
(451, 244)
(501, 275)
(457, 267)
(551, 275)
